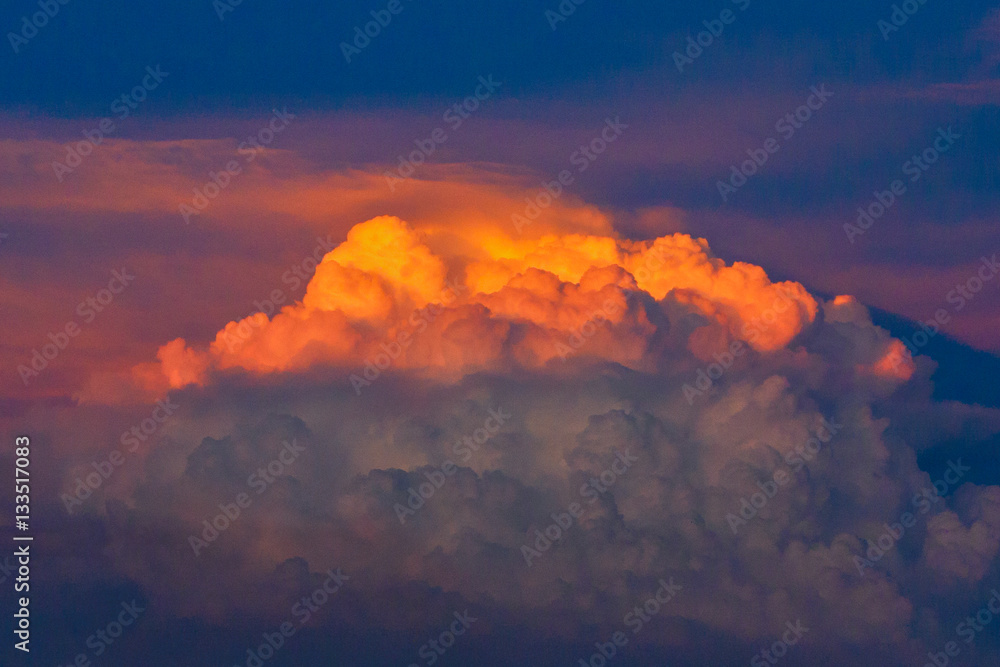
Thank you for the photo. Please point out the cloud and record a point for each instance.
(384, 363)
(493, 308)
(486, 299)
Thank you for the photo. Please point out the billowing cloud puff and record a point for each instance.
(450, 301)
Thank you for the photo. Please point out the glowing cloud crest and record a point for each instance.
(481, 299)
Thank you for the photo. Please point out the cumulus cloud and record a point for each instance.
(588, 342)
(406, 331)
(459, 300)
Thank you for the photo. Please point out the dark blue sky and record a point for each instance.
(264, 51)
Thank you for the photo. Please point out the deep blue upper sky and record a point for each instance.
(269, 50)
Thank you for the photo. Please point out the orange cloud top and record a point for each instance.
(483, 299)
(381, 267)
